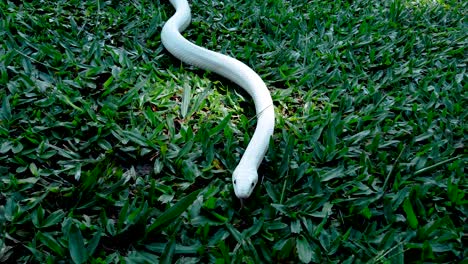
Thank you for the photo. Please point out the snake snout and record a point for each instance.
(244, 181)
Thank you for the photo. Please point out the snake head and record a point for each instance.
(244, 181)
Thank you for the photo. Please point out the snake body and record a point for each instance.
(245, 175)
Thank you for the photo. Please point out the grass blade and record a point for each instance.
(173, 212)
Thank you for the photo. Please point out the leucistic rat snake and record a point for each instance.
(245, 176)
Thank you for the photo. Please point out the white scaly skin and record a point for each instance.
(245, 175)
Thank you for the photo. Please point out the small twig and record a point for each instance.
(378, 258)
(36, 61)
(284, 187)
(391, 169)
(261, 112)
(435, 165)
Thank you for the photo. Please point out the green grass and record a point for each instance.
(113, 151)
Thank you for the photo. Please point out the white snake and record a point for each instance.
(245, 175)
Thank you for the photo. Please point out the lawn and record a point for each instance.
(113, 151)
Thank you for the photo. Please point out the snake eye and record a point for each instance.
(252, 185)
(235, 182)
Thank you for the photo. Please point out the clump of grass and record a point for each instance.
(111, 150)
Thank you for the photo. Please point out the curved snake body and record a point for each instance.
(245, 175)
